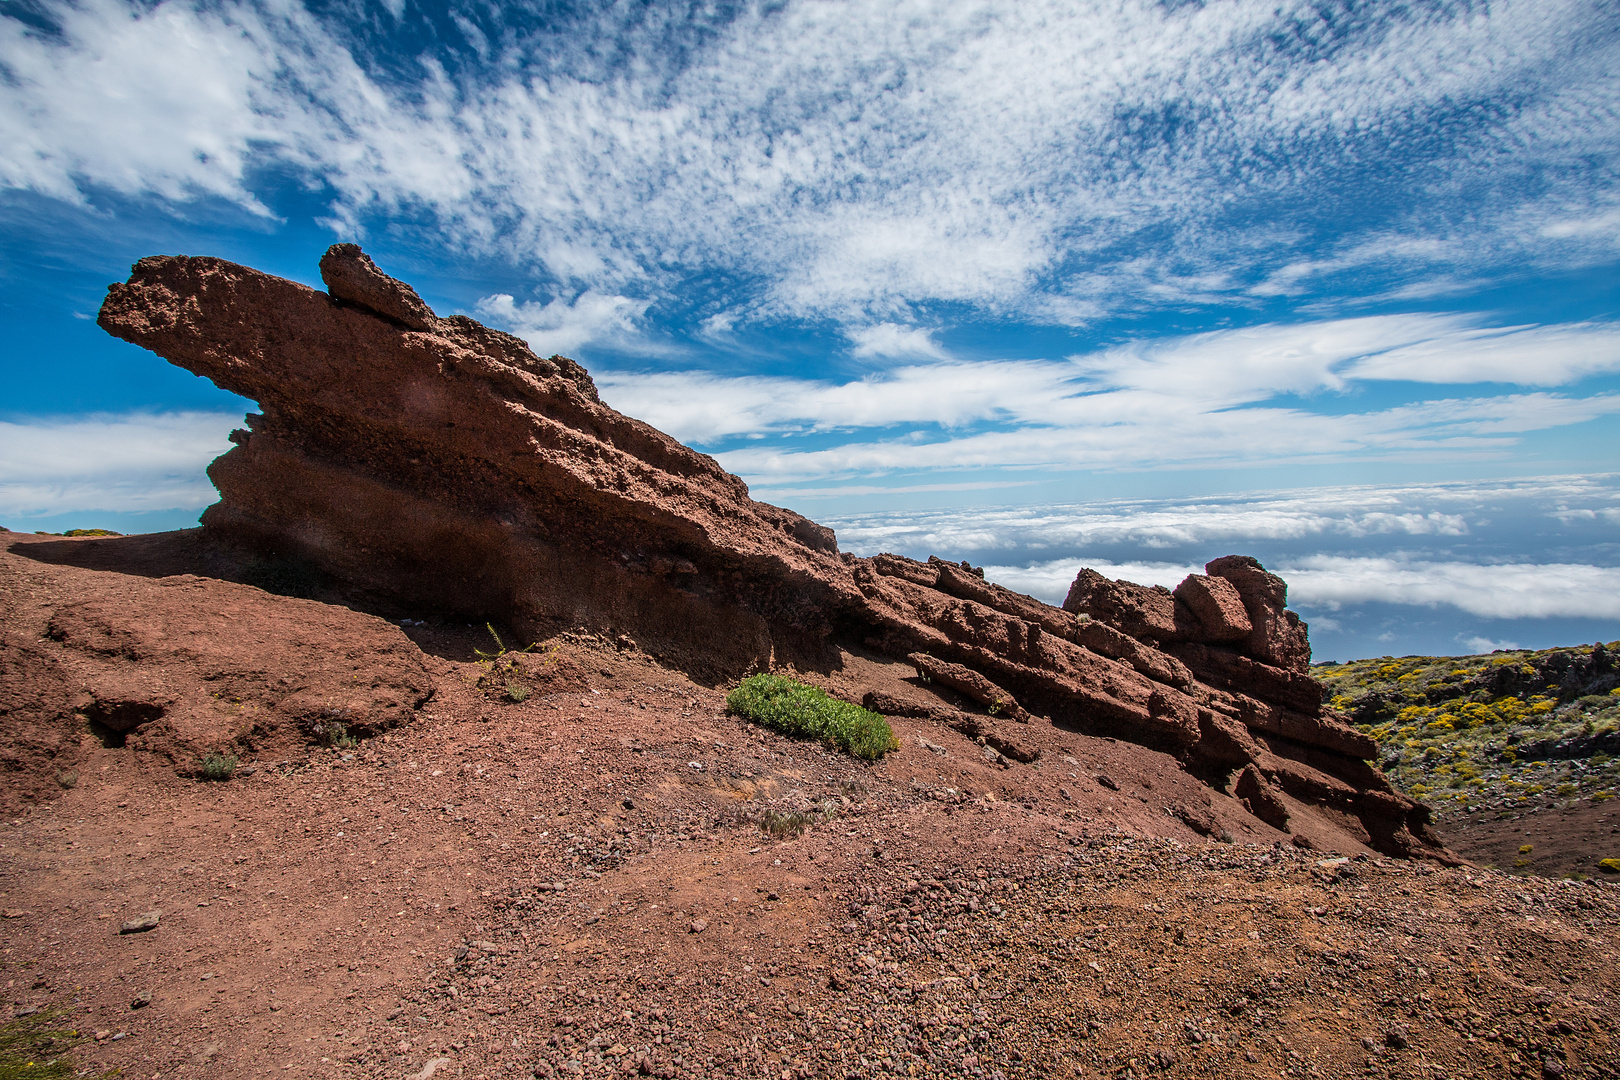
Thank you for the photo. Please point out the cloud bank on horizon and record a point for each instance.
(888, 255)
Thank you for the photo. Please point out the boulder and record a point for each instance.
(1218, 607)
(1277, 636)
(965, 680)
(1142, 611)
(351, 276)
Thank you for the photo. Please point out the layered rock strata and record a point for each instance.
(438, 465)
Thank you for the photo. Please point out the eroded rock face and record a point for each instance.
(181, 667)
(441, 464)
(438, 465)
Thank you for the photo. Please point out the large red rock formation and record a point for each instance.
(436, 464)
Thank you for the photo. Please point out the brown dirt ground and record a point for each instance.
(579, 884)
(1566, 838)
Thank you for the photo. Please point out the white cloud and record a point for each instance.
(564, 326)
(1136, 435)
(128, 462)
(700, 407)
(1524, 355)
(1603, 225)
(1050, 581)
(856, 159)
(887, 341)
(1449, 553)
(1487, 645)
(1219, 525)
(1200, 398)
(1204, 398)
(1494, 590)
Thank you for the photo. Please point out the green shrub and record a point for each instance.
(793, 708)
(218, 766)
(1609, 866)
(517, 692)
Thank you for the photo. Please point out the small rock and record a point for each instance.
(772, 896)
(142, 1000)
(629, 804)
(14, 913)
(1395, 1038)
(1107, 782)
(140, 924)
(699, 925)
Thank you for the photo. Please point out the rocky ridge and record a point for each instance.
(433, 464)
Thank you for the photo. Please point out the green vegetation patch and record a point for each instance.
(807, 712)
(33, 1048)
(217, 766)
(1502, 731)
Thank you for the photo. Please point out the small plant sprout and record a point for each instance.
(500, 646)
(334, 733)
(516, 692)
(781, 825)
(218, 766)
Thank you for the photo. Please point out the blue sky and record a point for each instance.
(1199, 267)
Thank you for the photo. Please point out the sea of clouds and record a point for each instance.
(1423, 568)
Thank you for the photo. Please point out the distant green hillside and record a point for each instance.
(1507, 729)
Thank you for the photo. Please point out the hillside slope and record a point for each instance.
(1500, 738)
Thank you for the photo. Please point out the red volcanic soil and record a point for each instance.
(1549, 841)
(583, 883)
